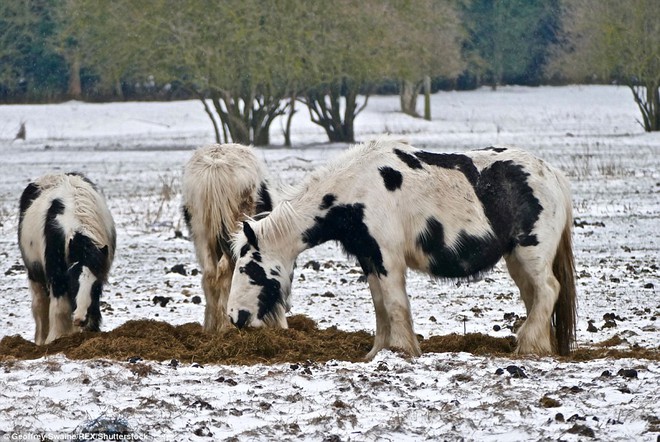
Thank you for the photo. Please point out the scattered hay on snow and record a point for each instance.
(303, 341)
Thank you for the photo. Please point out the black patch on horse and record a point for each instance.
(31, 193)
(327, 202)
(407, 158)
(83, 250)
(36, 272)
(244, 250)
(264, 202)
(509, 203)
(469, 256)
(345, 223)
(93, 314)
(495, 149)
(270, 294)
(250, 235)
(222, 247)
(55, 261)
(392, 178)
(187, 218)
(93, 322)
(453, 161)
(259, 216)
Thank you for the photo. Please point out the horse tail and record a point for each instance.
(563, 267)
(220, 186)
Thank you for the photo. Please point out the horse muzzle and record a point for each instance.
(242, 319)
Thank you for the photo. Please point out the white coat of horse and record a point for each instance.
(67, 239)
(395, 207)
(222, 186)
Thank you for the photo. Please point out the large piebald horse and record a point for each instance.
(449, 215)
(222, 186)
(67, 239)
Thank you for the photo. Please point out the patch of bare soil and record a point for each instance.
(303, 341)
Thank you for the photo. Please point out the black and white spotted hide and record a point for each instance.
(450, 215)
(67, 239)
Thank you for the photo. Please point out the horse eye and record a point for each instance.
(241, 269)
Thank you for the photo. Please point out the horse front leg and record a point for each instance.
(394, 326)
(382, 319)
(59, 318)
(397, 307)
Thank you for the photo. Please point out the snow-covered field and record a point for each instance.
(135, 153)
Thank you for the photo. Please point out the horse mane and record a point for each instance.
(284, 221)
(281, 224)
(89, 207)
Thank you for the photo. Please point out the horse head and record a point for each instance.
(261, 283)
(85, 286)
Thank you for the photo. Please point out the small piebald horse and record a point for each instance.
(222, 186)
(67, 239)
(449, 215)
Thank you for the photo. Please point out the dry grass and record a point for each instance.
(303, 341)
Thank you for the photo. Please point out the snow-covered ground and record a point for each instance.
(135, 152)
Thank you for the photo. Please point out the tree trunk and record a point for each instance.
(209, 112)
(75, 87)
(246, 119)
(427, 98)
(289, 119)
(408, 96)
(118, 89)
(325, 110)
(231, 124)
(653, 98)
(648, 103)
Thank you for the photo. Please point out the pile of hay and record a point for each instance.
(303, 341)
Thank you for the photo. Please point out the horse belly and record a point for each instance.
(464, 255)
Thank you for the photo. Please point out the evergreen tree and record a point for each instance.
(509, 40)
(30, 67)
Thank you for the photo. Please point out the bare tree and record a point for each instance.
(425, 39)
(611, 40)
(345, 55)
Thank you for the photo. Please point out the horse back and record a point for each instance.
(450, 214)
(54, 210)
(222, 185)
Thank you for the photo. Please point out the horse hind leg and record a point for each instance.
(40, 304)
(522, 280)
(225, 273)
(209, 287)
(216, 284)
(540, 290)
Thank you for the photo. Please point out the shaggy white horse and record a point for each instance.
(449, 215)
(222, 186)
(67, 239)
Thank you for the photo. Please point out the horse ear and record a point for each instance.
(250, 235)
